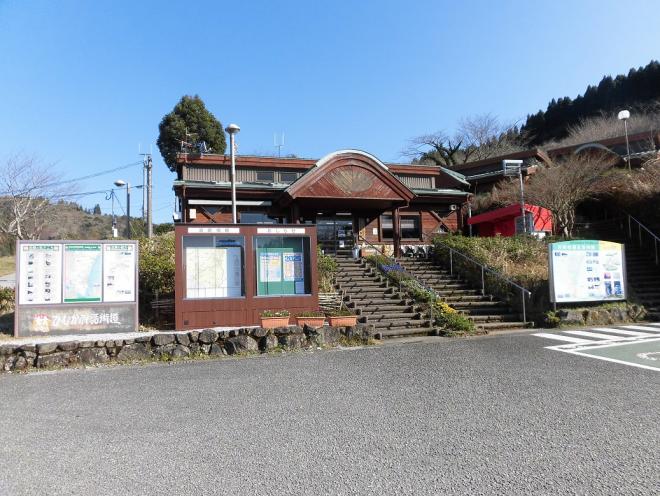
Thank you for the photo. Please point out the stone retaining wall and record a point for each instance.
(65, 353)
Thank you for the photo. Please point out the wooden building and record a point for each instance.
(351, 196)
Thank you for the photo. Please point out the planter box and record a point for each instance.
(273, 322)
(310, 321)
(345, 321)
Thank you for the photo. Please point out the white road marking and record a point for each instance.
(641, 328)
(559, 337)
(596, 335)
(621, 331)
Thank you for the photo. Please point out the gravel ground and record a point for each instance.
(493, 415)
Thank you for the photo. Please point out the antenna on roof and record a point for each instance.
(278, 144)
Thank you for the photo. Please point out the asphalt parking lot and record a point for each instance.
(493, 415)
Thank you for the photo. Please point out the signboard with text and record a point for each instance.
(587, 270)
(66, 287)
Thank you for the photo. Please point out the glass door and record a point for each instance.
(335, 234)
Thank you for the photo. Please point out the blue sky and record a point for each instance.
(85, 82)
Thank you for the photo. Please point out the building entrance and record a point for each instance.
(335, 233)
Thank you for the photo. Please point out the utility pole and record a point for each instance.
(147, 207)
(150, 207)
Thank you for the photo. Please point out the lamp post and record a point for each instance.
(232, 129)
(624, 115)
(120, 184)
(513, 168)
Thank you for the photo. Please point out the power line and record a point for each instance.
(68, 181)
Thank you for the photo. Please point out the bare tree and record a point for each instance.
(27, 189)
(477, 138)
(607, 125)
(562, 186)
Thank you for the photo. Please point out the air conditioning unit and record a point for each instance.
(176, 216)
(453, 207)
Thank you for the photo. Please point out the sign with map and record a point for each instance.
(75, 287)
(587, 270)
(83, 272)
(213, 272)
(118, 272)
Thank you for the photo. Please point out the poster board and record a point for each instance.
(66, 287)
(587, 270)
(280, 271)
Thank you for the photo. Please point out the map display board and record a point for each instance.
(83, 273)
(119, 272)
(587, 270)
(40, 281)
(75, 286)
(214, 272)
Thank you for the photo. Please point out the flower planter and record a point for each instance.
(310, 321)
(343, 321)
(273, 322)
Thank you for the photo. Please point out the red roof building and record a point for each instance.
(507, 221)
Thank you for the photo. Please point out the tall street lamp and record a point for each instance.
(232, 129)
(624, 115)
(120, 184)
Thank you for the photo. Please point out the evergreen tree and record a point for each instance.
(189, 121)
(97, 209)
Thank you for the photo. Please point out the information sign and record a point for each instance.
(40, 278)
(75, 286)
(83, 271)
(587, 270)
(118, 272)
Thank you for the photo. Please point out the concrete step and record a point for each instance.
(410, 324)
(505, 317)
(404, 332)
(493, 326)
(391, 316)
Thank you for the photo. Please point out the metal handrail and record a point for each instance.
(640, 226)
(404, 271)
(484, 268)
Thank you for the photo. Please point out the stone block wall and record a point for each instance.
(66, 353)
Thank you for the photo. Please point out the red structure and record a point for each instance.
(507, 221)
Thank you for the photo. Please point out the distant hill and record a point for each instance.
(638, 89)
(74, 222)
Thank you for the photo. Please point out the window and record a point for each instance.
(386, 227)
(214, 266)
(283, 265)
(411, 227)
(288, 177)
(257, 218)
(265, 176)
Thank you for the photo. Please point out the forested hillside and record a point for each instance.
(638, 89)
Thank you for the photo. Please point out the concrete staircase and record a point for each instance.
(642, 273)
(378, 303)
(484, 310)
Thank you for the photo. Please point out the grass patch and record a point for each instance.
(7, 265)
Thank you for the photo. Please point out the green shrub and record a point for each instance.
(157, 266)
(7, 298)
(453, 322)
(312, 313)
(275, 313)
(341, 312)
(326, 268)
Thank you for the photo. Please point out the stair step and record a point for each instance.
(506, 317)
(400, 325)
(392, 316)
(403, 332)
(502, 325)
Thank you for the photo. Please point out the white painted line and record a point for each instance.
(595, 335)
(621, 331)
(641, 328)
(655, 324)
(630, 364)
(562, 338)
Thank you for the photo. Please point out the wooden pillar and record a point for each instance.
(295, 213)
(396, 234)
